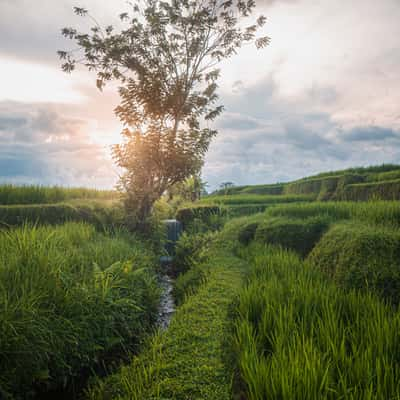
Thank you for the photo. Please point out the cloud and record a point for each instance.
(370, 134)
(39, 144)
(292, 137)
(269, 3)
(316, 99)
(237, 122)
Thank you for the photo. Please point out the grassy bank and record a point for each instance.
(69, 295)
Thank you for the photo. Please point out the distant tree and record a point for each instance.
(225, 186)
(166, 62)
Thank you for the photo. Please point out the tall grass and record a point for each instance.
(12, 194)
(244, 199)
(297, 336)
(68, 295)
(97, 212)
(374, 212)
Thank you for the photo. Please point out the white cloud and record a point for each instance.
(331, 74)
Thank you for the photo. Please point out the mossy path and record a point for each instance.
(187, 360)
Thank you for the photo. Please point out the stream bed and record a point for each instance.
(167, 303)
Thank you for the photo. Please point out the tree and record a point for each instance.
(165, 60)
(225, 186)
(191, 189)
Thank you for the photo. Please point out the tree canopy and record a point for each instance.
(166, 60)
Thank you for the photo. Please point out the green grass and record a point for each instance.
(362, 257)
(276, 189)
(373, 212)
(297, 336)
(299, 235)
(97, 212)
(384, 176)
(382, 190)
(371, 170)
(333, 185)
(244, 199)
(12, 194)
(68, 295)
(187, 360)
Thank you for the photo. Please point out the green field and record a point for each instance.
(279, 296)
(355, 184)
(11, 194)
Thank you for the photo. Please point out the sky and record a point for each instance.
(324, 95)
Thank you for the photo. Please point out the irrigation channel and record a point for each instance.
(75, 390)
(167, 304)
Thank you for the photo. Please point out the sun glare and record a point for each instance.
(35, 83)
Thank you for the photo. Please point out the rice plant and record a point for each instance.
(12, 194)
(372, 212)
(297, 336)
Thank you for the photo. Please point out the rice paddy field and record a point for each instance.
(11, 194)
(278, 295)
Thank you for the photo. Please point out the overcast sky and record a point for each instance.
(324, 95)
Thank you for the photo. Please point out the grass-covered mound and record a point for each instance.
(362, 257)
(297, 336)
(69, 295)
(299, 235)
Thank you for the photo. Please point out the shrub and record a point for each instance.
(300, 235)
(245, 209)
(190, 250)
(204, 216)
(247, 232)
(187, 283)
(362, 257)
(189, 263)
